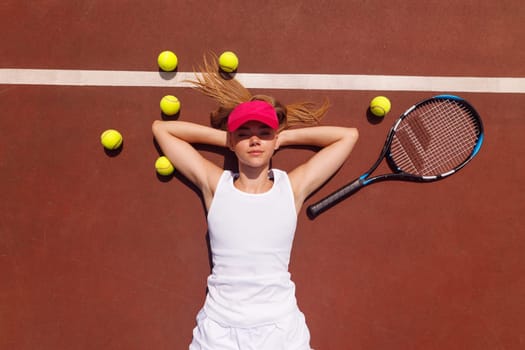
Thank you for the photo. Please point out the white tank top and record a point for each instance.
(251, 238)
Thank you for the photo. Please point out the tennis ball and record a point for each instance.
(111, 139)
(170, 105)
(380, 106)
(164, 166)
(167, 61)
(228, 61)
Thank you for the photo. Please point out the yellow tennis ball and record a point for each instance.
(111, 139)
(380, 106)
(164, 166)
(170, 105)
(228, 61)
(167, 61)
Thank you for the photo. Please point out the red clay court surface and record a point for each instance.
(97, 252)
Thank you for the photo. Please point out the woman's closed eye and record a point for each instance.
(263, 133)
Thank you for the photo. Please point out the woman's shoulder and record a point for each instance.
(280, 176)
(227, 175)
(279, 171)
(277, 174)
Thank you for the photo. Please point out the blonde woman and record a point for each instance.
(252, 212)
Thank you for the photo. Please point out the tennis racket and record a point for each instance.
(430, 141)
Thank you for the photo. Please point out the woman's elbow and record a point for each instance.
(353, 134)
(156, 127)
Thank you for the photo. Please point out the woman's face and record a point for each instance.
(254, 144)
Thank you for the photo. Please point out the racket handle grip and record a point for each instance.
(329, 201)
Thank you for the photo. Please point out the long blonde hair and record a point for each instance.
(228, 93)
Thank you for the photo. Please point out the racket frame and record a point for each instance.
(397, 174)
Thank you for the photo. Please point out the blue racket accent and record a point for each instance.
(478, 146)
(452, 97)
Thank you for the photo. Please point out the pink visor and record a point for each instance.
(254, 110)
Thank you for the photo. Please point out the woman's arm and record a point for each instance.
(336, 144)
(175, 139)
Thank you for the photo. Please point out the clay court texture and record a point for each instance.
(98, 252)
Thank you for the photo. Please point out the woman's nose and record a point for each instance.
(254, 140)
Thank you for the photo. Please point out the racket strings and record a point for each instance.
(454, 137)
(434, 138)
(460, 133)
(455, 147)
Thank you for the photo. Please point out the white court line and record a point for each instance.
(265, 81)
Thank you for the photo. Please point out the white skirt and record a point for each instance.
(290, 333)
